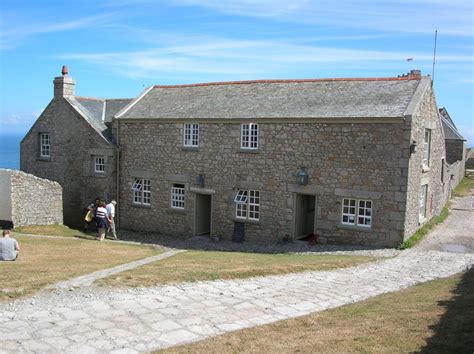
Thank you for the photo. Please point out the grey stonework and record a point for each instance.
(363, 163)
(354, 138)
(426, 117)
(455, 150)
(29, 200)
(74, 143)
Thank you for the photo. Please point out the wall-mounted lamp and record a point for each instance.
(200, 181)
(302, 176)
(413, 147)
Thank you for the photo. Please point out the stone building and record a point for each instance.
(29, 200)
(355, 161)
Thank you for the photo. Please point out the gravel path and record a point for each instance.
(91, 319)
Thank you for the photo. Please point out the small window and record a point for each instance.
(426, 148)
(141, 191)
(423, 196)
(356, 212)
(45, 145)
(191, 135)
(442, 171)
(249, 136)
(177, 196)
(247, 205)
(241, 197)
(99, 163)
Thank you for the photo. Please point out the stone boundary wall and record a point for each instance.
(35, 201)
(456, 170)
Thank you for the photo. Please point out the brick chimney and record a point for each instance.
(64, 85)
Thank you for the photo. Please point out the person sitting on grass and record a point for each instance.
(9, 247)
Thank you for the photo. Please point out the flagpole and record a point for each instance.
(434, 57)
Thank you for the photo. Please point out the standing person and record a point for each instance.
(101, 220)
(111, 214)
(9, 247)
(90, 208)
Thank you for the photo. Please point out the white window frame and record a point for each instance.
(357, 212)
(99, 164)
(141, 191)
(191, 135)
(427, 148)
(249, 136)
(423, 200)
(177, 196)
(45, 144)
(247, 205)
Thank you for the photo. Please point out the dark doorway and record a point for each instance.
(304, 215)
(202, 221)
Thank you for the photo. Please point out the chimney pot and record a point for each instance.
(65, 70)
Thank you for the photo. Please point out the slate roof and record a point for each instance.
(98, 112)
(318, 98)
(450, 130)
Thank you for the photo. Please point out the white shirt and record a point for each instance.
(110, 210)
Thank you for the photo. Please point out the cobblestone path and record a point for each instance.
(91, 319)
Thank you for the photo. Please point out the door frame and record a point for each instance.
(210, 212)
(295, 215)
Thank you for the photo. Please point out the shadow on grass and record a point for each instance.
(454, 332)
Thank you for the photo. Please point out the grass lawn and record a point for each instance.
(47, 260)
(53, 230)
(434, 317)
(464, 187)
(202, 265)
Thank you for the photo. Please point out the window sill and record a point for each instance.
(45, 159)
(190, 148)
(99, 175)
(425, 169)
(176, 211)
(142, 206)
(355, 228)
(249, 151)
(247, 221)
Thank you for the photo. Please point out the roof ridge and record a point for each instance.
(276, 81)
(90, 98)
(118, 99)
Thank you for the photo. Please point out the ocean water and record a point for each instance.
(10, 151)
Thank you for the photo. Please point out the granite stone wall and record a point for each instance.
(455, 151)
(363, 161)
(35, 201)
(425, 117)
(74, 143)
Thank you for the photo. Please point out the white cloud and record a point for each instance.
(414, 16)
(250, 58)
(13, 34)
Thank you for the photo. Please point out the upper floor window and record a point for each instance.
(191, 135)
(356, 212)
(99, 164)
(427, 148)
(141, 191)
(247, 204)
(177, 196)
(45, 145)
(249, 136)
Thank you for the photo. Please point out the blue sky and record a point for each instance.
(115, 48)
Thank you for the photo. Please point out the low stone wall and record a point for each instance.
(35, 201)
(456, 172)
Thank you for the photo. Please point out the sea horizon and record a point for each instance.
(10, 150)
